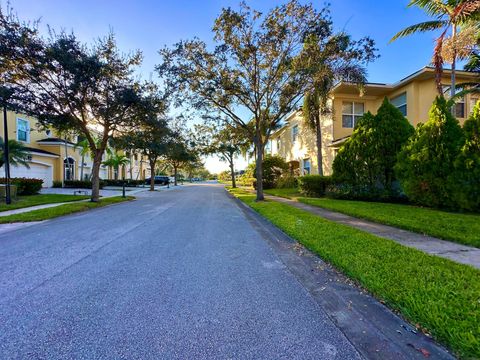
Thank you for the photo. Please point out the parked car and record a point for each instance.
(159, 180)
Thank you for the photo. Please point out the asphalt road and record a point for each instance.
(173, 275)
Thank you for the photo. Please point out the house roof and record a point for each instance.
(40, 151)
(378, 88)
(54, 141)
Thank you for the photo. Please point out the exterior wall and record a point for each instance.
(420, 90)
(305, 145)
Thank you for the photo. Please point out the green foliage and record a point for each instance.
(364, 166)
(57, 184)
(427, 160)
(127, 182)
(287, 181)
(274, 166)
(314, 185)
(81, 184)
(17, 153)
(40, 199)
(438, 294)
(466, 177)
(25, 186)
(225, 176)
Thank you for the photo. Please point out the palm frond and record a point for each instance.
(421, 27)
(435, 8)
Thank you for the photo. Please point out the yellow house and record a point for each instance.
(413, 96)
(54, 158)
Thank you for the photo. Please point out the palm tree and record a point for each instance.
(115, 161)
(84, 147)
(326, 63)
(448, 15)
(17, 153)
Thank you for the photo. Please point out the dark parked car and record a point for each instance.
(159, 180)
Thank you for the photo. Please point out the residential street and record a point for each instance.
(180, 274)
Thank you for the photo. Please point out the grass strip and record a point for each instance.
(457, 227)
(53, 212)
(40, 199)
(439, 295)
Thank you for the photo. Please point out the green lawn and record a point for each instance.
(439, 295)
(457, 227)
(40, 199)
(53, 212)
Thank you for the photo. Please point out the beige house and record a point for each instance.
(53, 158)
(413, 96)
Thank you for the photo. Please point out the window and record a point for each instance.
(400, 102)
(69, 168)
(473, 102)
(351, 113)
(294, 133)
(23, 130)
(279, 144)
(306, 167)
(459, 104)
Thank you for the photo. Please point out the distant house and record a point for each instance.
(413, 96)
(53, 158)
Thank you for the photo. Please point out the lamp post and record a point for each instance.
(6, 155)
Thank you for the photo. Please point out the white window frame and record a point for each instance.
(446, 94)
(294, 133)
(309, 161)
(353, 114)
(19, 120)
(473, 102)
(401, 105)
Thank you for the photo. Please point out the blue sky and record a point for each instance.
(148, 25)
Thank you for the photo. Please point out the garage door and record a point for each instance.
(36, 171)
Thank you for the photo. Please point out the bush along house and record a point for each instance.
(413, 96)
(54, 157)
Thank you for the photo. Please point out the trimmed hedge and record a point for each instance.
(81, 184)
(25, 186)
(314, 185)
(128, 182)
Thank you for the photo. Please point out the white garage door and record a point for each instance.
(36, 171)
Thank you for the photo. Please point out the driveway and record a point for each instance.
(173, 275)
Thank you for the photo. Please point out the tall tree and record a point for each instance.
(328, 58)
(151, 136)
(221, 139)
(179, 154)
(448, 16)
(67, 85)
(250, 74)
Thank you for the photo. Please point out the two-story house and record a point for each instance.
(413, 96)
(53, 158)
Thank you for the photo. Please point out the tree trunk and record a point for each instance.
(318, 130)
(152, 175)
(175, 174)
(452, 75)
(232, 169)
(259, 167)
(97, 162)
(81, 168)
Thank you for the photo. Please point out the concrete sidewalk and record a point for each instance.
(104, 194)
(456, 252)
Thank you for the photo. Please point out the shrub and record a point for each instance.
(81, 184)
(314, 185)
(287, 181)
(348, 191)
(25, 186)
(57, 184)
(365, 163)
(274, 166)
(128, 182)
(427, 160)
(466, 178)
